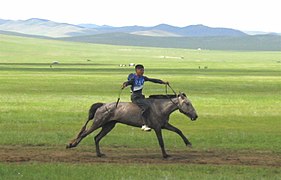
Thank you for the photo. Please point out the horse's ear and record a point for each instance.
(181, 94)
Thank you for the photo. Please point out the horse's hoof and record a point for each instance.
(189, 145)
(101, 155)
(69, 146)
(166, 156)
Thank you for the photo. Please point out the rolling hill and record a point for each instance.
(171, 31)
(43, 27)
(162, 35)
(245, 43)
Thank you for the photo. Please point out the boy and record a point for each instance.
(137, 81)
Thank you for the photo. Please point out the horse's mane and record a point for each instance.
(162, 96)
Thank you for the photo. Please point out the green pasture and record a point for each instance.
(237, 96)
(134, 171)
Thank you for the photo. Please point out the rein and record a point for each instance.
(171, 89)
(118, 97)
(166, 95)
(180, 109)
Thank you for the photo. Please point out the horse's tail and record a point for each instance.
(92, 113)
(93, 109)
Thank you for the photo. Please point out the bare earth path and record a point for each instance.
(122, 155)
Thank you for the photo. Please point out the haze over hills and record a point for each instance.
(168, 30)
(248, 43)
(49, 28)
(162, 35)
(42, 27)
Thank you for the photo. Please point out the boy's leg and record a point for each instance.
(144, 105)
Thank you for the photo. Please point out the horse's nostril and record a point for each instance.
(195, 117)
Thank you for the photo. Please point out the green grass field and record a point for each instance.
(237, 97)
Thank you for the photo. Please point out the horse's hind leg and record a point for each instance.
(82, 135)
(176, 130)
(105, 130)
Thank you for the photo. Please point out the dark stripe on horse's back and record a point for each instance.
(162, 96)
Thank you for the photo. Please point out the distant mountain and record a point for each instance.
(245, 43)
(2, 21)
(155, 33)
(10, 33)
(162, 35)
(201, 31)
(261, 33)
(42, 27)
(93, 26)
(168, 30)
(197, 31)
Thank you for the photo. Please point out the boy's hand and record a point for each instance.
(123, 86)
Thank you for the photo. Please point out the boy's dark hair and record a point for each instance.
(139, 66)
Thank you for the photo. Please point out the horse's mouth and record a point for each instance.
(193, 118)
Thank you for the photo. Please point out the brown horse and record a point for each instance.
(161, 106)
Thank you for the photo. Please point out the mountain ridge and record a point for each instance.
(162, 35)
(239, 43)
(44, 27)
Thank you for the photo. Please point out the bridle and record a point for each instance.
(176, 104)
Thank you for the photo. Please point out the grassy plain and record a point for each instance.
(237, 96)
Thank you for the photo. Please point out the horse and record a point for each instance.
(106, 115)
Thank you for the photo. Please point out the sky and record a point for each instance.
(245, 15)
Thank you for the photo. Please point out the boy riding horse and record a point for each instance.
(137, 81)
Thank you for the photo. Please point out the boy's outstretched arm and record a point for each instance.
(159, 81)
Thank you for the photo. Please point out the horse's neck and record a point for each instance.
(169, 106)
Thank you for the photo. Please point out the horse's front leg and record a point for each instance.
(161, 142)
(176, 130)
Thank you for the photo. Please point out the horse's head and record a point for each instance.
(186, 107)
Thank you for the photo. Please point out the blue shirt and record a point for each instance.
(137, 83)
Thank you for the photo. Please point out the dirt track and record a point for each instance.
(129, 155)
